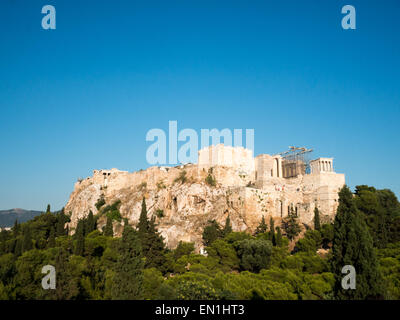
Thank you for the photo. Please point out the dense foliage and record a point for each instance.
(277, 262)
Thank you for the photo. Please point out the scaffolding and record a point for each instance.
(295, 161)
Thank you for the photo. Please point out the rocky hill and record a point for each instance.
(182, 199)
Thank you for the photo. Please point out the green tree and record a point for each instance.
(52, 238)
(291, 225)
(196, 290)
(278, 237)
(27, 239)
(80, 238)
(183, 248)
(262, 227)
(272, 231)
(128, 278)
(67, 281)
(60, 225)
(152, 281)
(153, 246)
(225, 254)
(228, 227)
(352, 245)
(90, 223)
(211, 232)
(152, 243)
(327, 235)
(143, 225)
(254, 254)
(18, 247)
(17, 228)
(317, 223)
(48, 209)
(108, 231)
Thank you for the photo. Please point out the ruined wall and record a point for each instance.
(238, 158)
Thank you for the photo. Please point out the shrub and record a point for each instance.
(161, 185)
(181, 178)
(100, 202)
(210, 180)
(160, 213)
(112, 211)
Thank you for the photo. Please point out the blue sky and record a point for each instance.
(83, 96)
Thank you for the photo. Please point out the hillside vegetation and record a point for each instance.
(92, 264)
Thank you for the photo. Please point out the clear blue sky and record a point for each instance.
(83, 96)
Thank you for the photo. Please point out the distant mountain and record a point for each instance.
(8, 217)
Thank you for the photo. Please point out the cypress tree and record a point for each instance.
(27, 239)
(18, 247)
(16, 228)
(278, 237)
(317, 223)
(353, 245)
(60, 225)
(3, 239)
(48, 209)
(127, 282)
(52, 238)
(80, 238)
(143, 225)
(262, 227)
(90, 223)
(228, 227)
(154, 247)
(272, 231)
(108, 231)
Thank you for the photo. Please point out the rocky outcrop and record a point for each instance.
(183, 200)
(181, 197)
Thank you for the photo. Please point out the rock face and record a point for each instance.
(187, 201)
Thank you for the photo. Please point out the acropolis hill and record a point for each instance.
(246, 188)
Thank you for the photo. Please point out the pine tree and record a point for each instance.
(317, 223)
(353, 245)
(211, 232)
(262, 227)
(27, 239)
(80, 238)
(108, 231)
(52, 238)
(228, 227)
(278, 237)
(127, 282)
(291, 225)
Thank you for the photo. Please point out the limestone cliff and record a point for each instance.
(183, 195)
(183, 201)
